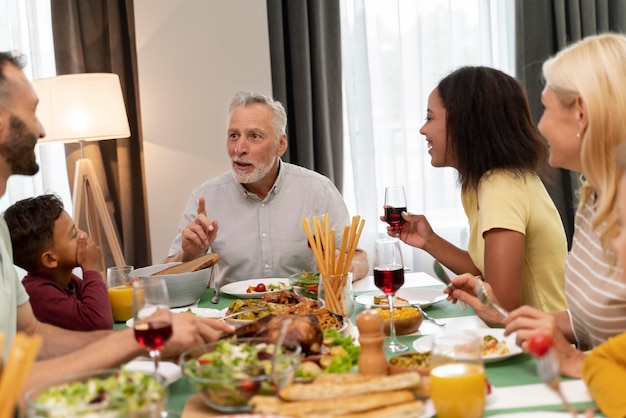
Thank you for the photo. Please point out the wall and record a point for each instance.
(194, 55)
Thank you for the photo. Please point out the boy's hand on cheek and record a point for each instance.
(88, 254)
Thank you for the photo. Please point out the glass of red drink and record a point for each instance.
(152, 319)
(395, 204)
(389, 277)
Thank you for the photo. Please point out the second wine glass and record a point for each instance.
(389, 277)
(152, 319)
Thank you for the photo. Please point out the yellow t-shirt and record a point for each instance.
(521, 203)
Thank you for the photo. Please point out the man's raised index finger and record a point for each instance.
(201, 209)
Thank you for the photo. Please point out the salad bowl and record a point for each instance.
(227, 373)
(103, 393)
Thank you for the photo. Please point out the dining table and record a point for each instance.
(516, 388)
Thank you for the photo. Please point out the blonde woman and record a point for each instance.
(604, 370)
(583, 122)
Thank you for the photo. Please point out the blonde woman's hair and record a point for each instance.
(594, 69)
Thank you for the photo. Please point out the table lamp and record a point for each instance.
(81, 108)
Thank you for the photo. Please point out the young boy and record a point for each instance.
(48, 246)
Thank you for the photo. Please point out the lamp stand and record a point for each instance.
(91, 190)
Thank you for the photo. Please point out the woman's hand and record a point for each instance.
(526, 321)
(416, 231)
(190, 330)
(464, 290)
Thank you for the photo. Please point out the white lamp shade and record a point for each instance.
(81, 107)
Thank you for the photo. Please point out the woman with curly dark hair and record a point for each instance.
(478, 122)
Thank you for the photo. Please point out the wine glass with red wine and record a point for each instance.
(395, 204)
(152, 319)
(389, 277)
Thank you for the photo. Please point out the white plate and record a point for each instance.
(425, 343)
(203, 312)
(238, 289)
(415, 295)
(171, 372)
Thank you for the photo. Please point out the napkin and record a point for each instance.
(536, 395)
(171, 372)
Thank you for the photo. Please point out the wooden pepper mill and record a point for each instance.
(372, 359)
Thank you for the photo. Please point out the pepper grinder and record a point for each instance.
(372, 358)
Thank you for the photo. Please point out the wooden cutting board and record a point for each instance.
(195, 408)
(193, 265)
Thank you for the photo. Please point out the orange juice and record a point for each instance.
(458, 390)
(121, 298)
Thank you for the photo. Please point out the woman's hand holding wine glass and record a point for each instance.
(389, 277)
(395, 204)
(152, 319)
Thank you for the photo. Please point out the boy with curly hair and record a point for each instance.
(47, 244)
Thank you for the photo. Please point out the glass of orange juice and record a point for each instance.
(457, 376)
(120, 289)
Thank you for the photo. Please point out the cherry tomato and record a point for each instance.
(539, 344)
(488, 385)
(260, 288)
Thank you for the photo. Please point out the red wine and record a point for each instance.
(393, 216)
(153, 335)
(389, 278)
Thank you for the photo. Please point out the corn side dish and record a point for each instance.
(399, 313)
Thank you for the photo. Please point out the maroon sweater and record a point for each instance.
(84, 306)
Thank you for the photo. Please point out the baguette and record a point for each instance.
(337, 406)
(367, 384)
(413, 409)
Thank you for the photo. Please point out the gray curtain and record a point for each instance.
(305, 51)
(99, 36)
(542, 29)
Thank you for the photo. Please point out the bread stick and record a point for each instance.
(374, 384)
(331, 407)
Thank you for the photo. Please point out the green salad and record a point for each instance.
(235, 371)
(120, 394)
(307, 284)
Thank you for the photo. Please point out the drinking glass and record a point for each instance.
(120, 290)
(152, 319)
(457, 377)
(389, 277)
(395, 204)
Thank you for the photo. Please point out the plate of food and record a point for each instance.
(203, 312)
(494, 345)
(404, 296)
(255, 288)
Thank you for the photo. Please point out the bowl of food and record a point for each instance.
(227, 373)
(407, 319)
(184, 289)
(418, 361)
(103, 393)
(305, 284)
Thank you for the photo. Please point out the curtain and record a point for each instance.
(25, 28)
(542, 29)
(305, 53)
(394, 53)
(99, 36)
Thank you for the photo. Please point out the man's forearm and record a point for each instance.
(64, 341)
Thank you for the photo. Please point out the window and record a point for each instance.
(26, 27)
(394, 53)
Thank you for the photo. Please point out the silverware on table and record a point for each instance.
(430, 318)
(482, 296)
(216, 292)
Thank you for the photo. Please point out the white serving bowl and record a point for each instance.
(184, 289)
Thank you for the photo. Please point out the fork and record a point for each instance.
(482, 296)
(428, 317)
